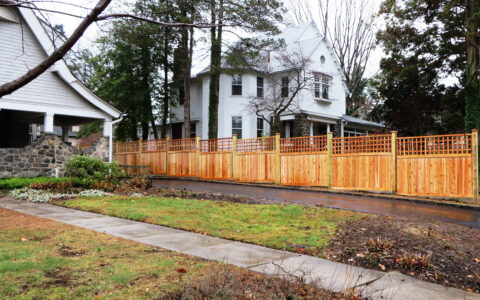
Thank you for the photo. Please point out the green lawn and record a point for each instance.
(276, 226)
(43, 259)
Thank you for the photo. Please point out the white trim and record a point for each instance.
(61, 67)
(16, 105)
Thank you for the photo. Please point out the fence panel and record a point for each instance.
(216, 159)
(153, 155)
(435, 166)
(439, 166)
(304, 161)
(181, 160)
(362, 163)
(255, 160)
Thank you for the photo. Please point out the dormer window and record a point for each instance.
(322, 86)
(237, 85)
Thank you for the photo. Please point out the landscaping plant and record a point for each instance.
(93, 172)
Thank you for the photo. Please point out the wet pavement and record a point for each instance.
(381, 206)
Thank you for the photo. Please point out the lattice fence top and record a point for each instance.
(362, 144)
(216, 145)
(154, 145)
(183, 145)
(434, 145)
(127, 147)
(304, 144)
(256, 144)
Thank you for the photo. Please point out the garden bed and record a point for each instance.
(40, 258)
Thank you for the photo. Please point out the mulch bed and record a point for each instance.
(442, 253)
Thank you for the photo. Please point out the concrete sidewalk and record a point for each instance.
(330, 275)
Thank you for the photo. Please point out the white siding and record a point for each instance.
(20, 51)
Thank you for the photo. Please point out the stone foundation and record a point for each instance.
(45, 157)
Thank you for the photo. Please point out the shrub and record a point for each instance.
(62, 186)
(93, 172)
(18, 182)
(141, 183)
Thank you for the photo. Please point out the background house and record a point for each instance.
(319, 109)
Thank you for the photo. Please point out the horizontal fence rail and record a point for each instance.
(436, 166)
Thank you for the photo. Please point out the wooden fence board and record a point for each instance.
(216, 165)
(362, 172)
(255, 167)
(127, 158)
(181, 164)
(435, 176)
(155, 160)
(302, 169)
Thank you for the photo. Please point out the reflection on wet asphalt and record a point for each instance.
(463, 216)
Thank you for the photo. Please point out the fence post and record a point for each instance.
(329, 162)
(234, 155)
(197, 157)
(277, 158)
(166, 154)
(394, 162)
(139, 152)
(475, 165)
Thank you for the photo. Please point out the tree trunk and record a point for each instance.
(186, 83)
(215, 67)
(472, 86)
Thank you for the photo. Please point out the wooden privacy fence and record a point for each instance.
(438, 166)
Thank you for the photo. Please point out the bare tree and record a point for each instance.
(94, 15)
(283, 88)
(350, 26)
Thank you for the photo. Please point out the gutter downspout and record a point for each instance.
(110, 138)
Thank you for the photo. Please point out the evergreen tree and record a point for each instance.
(425, 42)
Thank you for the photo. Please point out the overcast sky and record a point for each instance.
(78, 7)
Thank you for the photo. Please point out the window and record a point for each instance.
(181, 96)
(237, 126)
(322, 59)
(284, 86)
(237, 85)
(322, 86)
(259, 127)
(193, 130)
(259, 87)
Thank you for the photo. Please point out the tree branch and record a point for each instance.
(10, 87)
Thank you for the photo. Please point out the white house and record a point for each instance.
(55, 98)
(319, 109)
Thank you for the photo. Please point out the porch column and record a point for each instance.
(287, 129)
(328, 128)
(107, 128)
(341, 129)
(311, 128)
(48, 123)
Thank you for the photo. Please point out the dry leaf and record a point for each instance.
(382, 267)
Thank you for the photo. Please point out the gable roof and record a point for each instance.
(61, 68)
(296, 39)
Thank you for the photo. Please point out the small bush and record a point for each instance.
(93, 172)
(18, 182)
(141, 183)
(63, 186)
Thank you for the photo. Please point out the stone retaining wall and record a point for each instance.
(45, 157)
